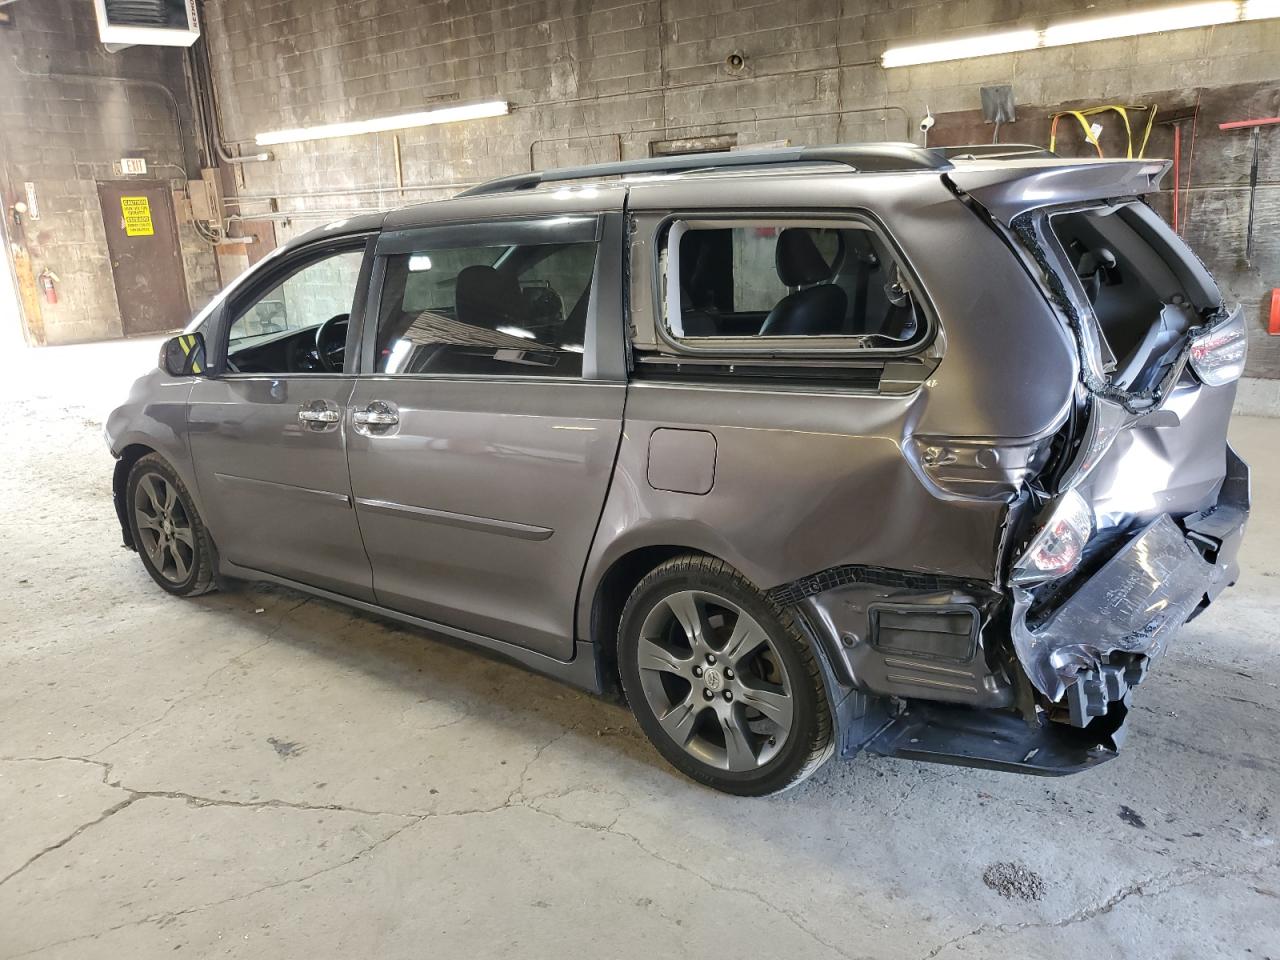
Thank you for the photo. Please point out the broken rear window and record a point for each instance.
(1137, 283)
(831, 283)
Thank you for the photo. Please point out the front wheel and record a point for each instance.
(721, 680)
(171, 539)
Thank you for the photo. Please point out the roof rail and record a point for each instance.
(860, 157)
(994, 151)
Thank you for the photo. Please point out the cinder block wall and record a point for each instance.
(68, 111)
(590, 80)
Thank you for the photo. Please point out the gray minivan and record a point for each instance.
(800, 451)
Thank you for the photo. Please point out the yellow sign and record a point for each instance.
(137, 217)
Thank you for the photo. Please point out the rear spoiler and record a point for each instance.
(1014, 185)
(992, 151)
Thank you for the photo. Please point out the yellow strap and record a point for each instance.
(1128, 130)
(1146, 134)
(1084, 125)
(1119, 108)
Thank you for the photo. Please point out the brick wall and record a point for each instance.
(592, 80)
(68, 110)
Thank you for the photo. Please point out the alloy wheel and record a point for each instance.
(714, 680)
(164, 527)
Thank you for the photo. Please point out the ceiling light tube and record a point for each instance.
(1261, 9)
(353, 128)
(983, 45)
(1139, 23)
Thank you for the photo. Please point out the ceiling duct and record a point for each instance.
(165, 23)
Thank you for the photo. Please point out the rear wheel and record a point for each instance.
(171, 539)
(721, 680)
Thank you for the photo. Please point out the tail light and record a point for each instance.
(1057, 548)
(1105, 422)
(1218, 354)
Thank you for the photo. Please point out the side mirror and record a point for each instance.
(183, 355)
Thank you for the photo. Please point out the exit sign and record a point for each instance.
(133, 165)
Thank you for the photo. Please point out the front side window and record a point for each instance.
(515, 310)
(300, 324)
(760, 280)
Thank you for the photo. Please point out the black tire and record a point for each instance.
(185, 569)
(808, 741)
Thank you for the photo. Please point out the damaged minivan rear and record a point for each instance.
(1137, 523)
(1128, 519)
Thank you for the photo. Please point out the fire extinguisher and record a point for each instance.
(48, 283)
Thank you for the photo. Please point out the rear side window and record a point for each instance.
(766, 281)
(513, 309)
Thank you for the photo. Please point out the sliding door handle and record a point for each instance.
(378, 417)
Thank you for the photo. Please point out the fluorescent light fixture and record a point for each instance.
(1144, 21)
(353, 128)
(1139, 23)
(984, 45)
(419, 262)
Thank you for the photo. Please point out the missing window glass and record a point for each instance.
(1142, 306)
(768, 279)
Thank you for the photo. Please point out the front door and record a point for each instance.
(146, 258)
(268, 432)
(483, 432)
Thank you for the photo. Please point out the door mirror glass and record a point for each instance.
(183, 355)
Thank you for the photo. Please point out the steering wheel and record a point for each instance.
(331, 342)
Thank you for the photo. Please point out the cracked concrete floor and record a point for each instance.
(254, 774)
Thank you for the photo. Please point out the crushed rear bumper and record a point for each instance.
(1096, 644)
(1085, 655)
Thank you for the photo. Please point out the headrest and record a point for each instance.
(485, 297)
(799, 261)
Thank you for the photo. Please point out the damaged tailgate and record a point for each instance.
(1145, 489)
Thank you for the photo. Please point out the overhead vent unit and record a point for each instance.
(164, 23)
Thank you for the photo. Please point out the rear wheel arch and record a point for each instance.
(610, 596)
(788, 688)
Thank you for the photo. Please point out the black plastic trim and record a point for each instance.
(833, 577)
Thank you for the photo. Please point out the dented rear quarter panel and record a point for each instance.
(809, 478)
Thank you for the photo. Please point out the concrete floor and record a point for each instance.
(254, 774)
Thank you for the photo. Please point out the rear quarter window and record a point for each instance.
(780, 283)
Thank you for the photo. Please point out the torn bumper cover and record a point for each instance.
(1133, 605)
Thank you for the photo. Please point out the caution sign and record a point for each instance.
(137, 217)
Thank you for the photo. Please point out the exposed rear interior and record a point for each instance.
(779, 281)
(1130, 277)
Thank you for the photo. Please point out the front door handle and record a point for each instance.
(318, 416)
(377, 416)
